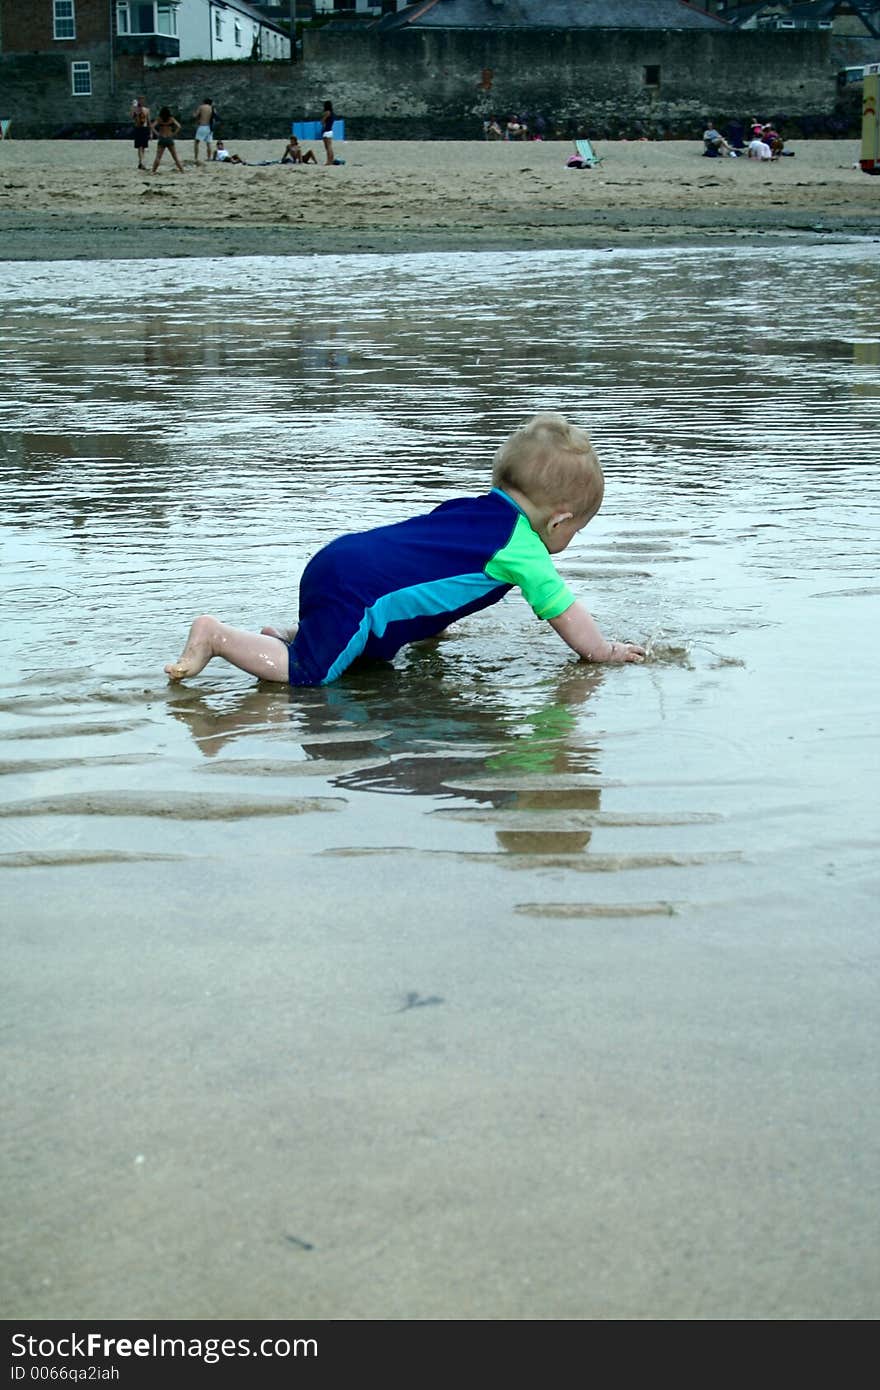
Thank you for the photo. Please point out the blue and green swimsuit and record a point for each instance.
(369, 593)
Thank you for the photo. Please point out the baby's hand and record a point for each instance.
(625, 651)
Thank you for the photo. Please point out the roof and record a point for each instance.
(868, 11)
(551, 14)
(254, 12)
(827, 9)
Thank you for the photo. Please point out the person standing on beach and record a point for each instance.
(204, 119)
(140, 119)
(327, 120)
(165, 127)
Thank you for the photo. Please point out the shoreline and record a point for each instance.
(91, 241)
(88, 201)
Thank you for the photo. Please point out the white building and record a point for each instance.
(206, 29)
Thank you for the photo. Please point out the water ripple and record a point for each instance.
(169, 450)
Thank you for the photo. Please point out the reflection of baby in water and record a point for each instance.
(422, 736)
(370, 593)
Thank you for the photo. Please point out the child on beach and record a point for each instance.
(369, 593)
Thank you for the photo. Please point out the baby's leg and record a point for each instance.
(260, 654)
(284, 634)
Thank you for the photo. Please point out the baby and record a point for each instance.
(369, 593)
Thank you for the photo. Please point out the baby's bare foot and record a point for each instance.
(198, 650)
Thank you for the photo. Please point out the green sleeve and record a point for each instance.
(525, 562)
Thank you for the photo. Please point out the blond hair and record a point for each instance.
(553, 464)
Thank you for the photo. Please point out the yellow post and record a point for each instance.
(870, 160)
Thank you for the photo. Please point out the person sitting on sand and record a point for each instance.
(714, 143)
(759, 149)
(295, 154)
(369, 593)
(222, 155)
(771, 137)
(165, 127)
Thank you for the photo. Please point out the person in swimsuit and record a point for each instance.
(369, 593)
(327, 120)
(204, 119)
(140, 119)
(295, 154)
(165, 128)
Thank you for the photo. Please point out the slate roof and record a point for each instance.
(552, 14)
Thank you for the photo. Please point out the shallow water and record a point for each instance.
(638, 900)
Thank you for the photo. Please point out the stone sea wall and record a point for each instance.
(441, 85)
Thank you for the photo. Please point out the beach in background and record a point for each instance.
(65, 199)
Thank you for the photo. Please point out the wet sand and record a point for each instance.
(497, 986)
(82, 199)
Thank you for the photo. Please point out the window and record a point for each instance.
(137, 18)
(81, 79)
(218, 25)
(143, 17)
(65, 20)
(237, 34)
(166, 20)
(652, 75)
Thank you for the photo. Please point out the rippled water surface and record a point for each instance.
(492, 950)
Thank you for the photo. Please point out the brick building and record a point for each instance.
(77, 54)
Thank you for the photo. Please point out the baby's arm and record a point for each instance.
(576, 627)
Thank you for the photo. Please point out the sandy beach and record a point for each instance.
(88, 200)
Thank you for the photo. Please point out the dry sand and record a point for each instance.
(87, 199)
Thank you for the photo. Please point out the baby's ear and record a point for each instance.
(557, 519)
